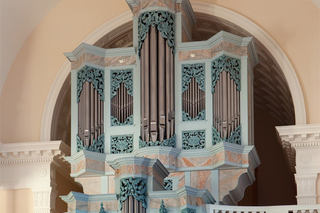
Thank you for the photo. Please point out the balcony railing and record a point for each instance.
(264, 209)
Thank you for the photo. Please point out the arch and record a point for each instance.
(206, 8)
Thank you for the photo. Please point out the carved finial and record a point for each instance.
(162, 208)
(102, 209)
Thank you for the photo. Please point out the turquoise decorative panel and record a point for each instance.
(201, 116)
(196, 71)
(97, 145)
(194, 139)
(121, 76)
(92, 75)
(235, 136)
(121, 144)
(228, 64)
(171, 142)
(167, 184)
(162, 20)
(188, 210)
(136, 187)
(162, 209)
(118, 77)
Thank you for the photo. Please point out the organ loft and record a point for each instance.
(165, 125)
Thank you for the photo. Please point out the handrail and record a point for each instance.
(263, 209)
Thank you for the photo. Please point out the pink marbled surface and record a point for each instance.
(200, 161)
(108, 205)
(169, 202)
(91, 185)
(95, 165)
(111, 185)
(209, 53)
(108, 168)
(131, 169)
(181, 178)
(115, 61)
(228, 180)
(75, 168)
(95, 59)
(201, 179)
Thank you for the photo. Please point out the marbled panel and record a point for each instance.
(245, 158)
(107, 205)
(111, 185)
(91, 185)
(108, 168)
(200, 161)
(94, 59)
(233, 157)
(132, 169)
(77, 167)
(201, 179)
(209, 53)
(183, 200)
(168, 202)
(181, 177)
(228, 180)
(95, 165)
(75, 64)
(81, 205)
(156, 3)
(120, 60)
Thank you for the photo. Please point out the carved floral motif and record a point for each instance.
(136, 187)
(121, 144)
(96, 146)
(194, 139)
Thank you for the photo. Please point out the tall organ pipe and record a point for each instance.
(157, 88)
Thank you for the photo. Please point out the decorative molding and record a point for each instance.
(194, 139)
(96, 146)
(41, 200)
(121, 76)
(92, 75)
(171, 142)
(163, 20)
(228, 64)
(136, 187)
(121, 144)
(306, 189)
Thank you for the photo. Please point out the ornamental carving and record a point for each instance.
(228, 64)
(171, 142)
(235, 136)
(116, 122)
(163, 20)
(92, 75)
(96, 146)
(200, 116)
(194, 139)
(121, 144)
(136, 187)
(162, 209)
(102, 209)
(188, 210)
(121, 76)
(167, 184)
(196, 71)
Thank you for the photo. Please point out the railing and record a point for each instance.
(264, 209)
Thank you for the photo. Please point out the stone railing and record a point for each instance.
(263, 209)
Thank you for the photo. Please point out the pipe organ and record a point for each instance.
(163, 111)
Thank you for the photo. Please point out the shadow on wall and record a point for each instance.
(275, 184)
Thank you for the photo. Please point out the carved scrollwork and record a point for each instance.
(102, 209)
(116, 122)
(92, 75)
(121, 144)
(196, 71)
(171, 142)
(188, 210)
(193, 139)
(136, 187)
(163, 20)
(167, 184)
(235, 136)
(200, 116)
(228, 64)
(121, 76)
(96, 146)
(162, 209)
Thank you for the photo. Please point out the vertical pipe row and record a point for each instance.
(169, 90)
(146, 84)
(161, 87)
(154, 87)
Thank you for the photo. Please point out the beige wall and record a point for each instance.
(293, 25)
(16, 201)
